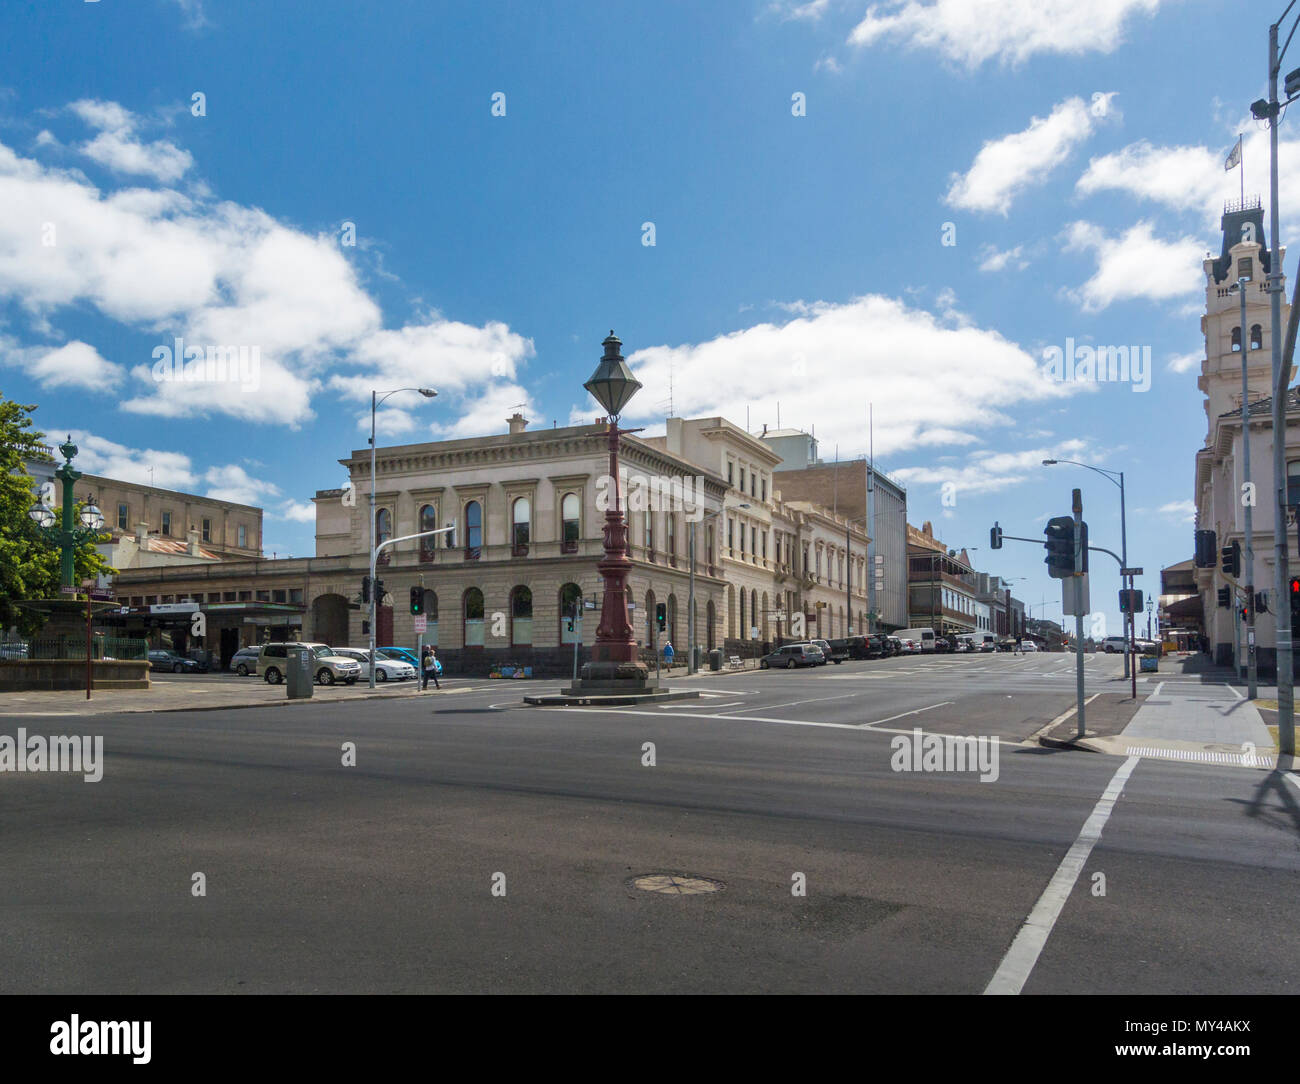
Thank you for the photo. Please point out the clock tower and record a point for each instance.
(1244, 256)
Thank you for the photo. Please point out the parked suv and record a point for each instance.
(1113, 645)
(841, 649)
(792, 655)
(273, 660)
(825, 647)
(244, 661)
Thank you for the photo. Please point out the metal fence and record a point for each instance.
(101, 647)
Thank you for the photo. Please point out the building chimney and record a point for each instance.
(673, 432)
(517, 422)
(142, 535)
(192, 542)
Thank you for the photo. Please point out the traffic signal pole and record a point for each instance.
(374, 557)
(1252, 686)
(1079, 556)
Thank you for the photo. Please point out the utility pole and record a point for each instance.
(1285, 679)
(1078, 609)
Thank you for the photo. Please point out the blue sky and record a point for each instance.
(1075, 150)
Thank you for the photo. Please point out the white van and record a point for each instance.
(924, 637)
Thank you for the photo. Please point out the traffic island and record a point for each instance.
(612, 684)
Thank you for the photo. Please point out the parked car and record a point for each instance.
(943, 646)
(839, 648)
(1028, 645)
(177, 664)
(402, 654)
(910, 646)
(386, 669)
(244, 661)
(876, 645)
(923, 637)
(789, 656)
(273, 660)
(1113, 645)
(895, 645)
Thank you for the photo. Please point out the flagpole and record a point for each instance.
(1243, 185)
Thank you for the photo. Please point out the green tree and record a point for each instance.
(29, 565)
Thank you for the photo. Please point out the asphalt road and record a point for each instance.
(379, 877)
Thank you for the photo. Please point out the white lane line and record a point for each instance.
(902, 715)
(1013, 972)
(812, 700)
(1235, 693)
(732, 704)
(1295, 779)
(1159, 685)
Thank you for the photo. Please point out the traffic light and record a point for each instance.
(661, 615)
(1231, 555)
(365, 588)
(1060, 547)
(378, 586)
(1206, 546)
(1225, 596)
(995, 537)
(417, 601)
(1295, 602)
(1261, 602)
(1130, 602)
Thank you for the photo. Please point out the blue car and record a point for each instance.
(405, 654)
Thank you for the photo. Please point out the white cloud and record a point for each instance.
(1005, 167)
(929, 383)
(99, 455)
(1135, 265)
(485, 413)
(233, 483)
(811, 11)
(117, 148)
(1181, 511)
(1192, 179)
(1000, 260)
(970, 32)
(297, 511)
(1185, 363)
(988, 471)
(217, 274)
(72, 365)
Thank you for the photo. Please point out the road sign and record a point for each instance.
(421, 625)
(66, 590)
(1130, 572)
(175, 608)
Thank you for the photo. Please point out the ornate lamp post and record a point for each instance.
(614, 652)
(67, 536)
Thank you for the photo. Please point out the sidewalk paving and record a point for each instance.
(179, 696)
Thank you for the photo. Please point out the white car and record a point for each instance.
(1028, 645)
(386, 668)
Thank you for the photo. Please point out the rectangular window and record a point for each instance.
(243, 536)
(207, 530)
(731, 534)
(122, 516)
(742, 479)
(1293, 483)
(765, 545)
(295, 594)
(764, 487)
(167, 523)
(228, 596)
(731, 481)
(753, 541)
(263, 596)
(279, 596)
(245, 596)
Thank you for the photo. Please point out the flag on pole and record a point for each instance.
(1234, 159)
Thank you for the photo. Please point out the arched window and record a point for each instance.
(570, 508)
(570, 614)
(428, 522)
(1236, 338)
(473, 611)
(431, 617)
(521, 617)
(521, 517)
(383, 532)
(1256, 336)
(473, 531)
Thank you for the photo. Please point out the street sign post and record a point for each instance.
(421, 625)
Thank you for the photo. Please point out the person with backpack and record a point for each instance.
(431, 667)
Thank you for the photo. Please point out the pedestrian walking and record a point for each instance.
(668, 653)
(431, 667)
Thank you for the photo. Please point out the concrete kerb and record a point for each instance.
(152, 710)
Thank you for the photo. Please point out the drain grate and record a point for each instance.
(675, 884)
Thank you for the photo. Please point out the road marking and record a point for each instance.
(1159, 685)
(1235, 693)
(1021, 957)
(1295, 779)
(901, 715)
(812, 700)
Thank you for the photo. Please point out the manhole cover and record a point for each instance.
(675, 884)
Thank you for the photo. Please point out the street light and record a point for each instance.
(613, 655)
(1111, 475)
(43, 517)
(375, 400)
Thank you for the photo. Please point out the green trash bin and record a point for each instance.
(715, 659)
